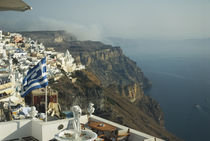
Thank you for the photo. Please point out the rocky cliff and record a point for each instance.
(111, 80)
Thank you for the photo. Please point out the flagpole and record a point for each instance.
(46, 98)
(45, 103)
(32, 75)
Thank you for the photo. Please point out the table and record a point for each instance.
(101, 126)
(103, 130)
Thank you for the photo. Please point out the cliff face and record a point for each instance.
(111, 80)
(108, 64)
(87, 88)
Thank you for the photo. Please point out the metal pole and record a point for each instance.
(45, 103)
(46, 98)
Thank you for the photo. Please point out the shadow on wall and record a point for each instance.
(15, 130)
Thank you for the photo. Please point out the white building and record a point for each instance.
(15, 35)
(1, 45)
(19, 54)
(0, 34)
(68, 63)
(2, 51)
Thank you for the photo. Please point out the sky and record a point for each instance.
(99, 19)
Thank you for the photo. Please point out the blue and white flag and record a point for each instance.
(35, 78)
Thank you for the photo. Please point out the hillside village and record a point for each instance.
(17, 55)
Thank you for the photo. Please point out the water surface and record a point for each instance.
(180, 75)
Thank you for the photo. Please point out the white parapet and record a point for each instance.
(44, 131)
(0, 34)
(15, 129)
(135, 135)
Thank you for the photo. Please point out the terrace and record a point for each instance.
(35, 129)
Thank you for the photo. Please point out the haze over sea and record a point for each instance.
(180, 75)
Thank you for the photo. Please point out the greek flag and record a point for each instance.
(35, 78)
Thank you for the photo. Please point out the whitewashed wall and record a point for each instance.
(48, 129)
(44, 131)
(15, 129)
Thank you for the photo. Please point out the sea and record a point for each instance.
(180, 74)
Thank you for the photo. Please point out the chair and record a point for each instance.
(100, 138)
(150, 139)
(122, 135)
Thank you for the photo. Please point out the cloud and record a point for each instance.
(82, 32)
